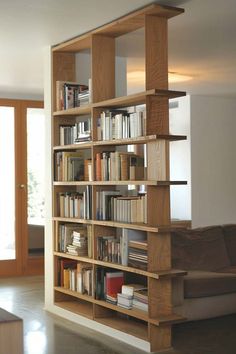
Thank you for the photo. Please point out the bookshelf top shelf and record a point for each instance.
(118, 27)
(138, 98)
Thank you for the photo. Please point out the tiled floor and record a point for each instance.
(48, 334)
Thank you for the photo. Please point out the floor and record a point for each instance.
(48, 334)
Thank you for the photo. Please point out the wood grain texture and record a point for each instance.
(157, 161)
(159, 297)
(158, 205)
(156, 48)
(158, 115)
(82, 308)
(103, 68)
(159, 252)
(119, 27)
(160, 338)
(63, 69)
(11, 336)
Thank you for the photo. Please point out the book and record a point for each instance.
(67, 94)
(129, 289)
(114, 282)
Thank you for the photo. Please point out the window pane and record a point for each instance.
(7, 181)
(35, 165)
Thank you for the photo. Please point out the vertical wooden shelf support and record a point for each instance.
(103, 67)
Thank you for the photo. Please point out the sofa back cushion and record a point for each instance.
(230, 242)
(199, 249)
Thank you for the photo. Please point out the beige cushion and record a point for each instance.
(199, 249)
(203, 284)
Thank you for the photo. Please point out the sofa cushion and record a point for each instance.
(203, 284)
(230, 242)
(231, 269)
(199, 249)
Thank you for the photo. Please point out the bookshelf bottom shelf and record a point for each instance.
(80, 307)
(135, 328)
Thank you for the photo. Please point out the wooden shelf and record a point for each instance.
(129, 326)
(139, 314)
(118, 183)
(82, 309)
(155, 275)
(138, 98)
(123, 25)
(73, 220)
(125, 101)
(109, 223)
(79, 146)
(74, 294)
(74, 111)
(139, 140)
(119, 142)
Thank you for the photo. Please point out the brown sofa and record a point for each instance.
(209, 256)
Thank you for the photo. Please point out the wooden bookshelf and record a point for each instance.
(152, 327)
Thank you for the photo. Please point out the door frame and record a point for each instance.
(30, 265)
(22, 264)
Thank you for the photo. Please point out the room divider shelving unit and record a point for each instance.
(152, 327)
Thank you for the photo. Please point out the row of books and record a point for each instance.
(111, 205)
(72, 166)
(71, 95)
(73, 134)
(75, 239)
(109, 284)
(119, 124)
(76, 276)
(119, 248)
(116, 166)
(75, 204)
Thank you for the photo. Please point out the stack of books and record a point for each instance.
(125, 298)
(79, 246)
(137, 257)
(83, 97)
(140, 300)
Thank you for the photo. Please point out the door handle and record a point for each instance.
(21, 186)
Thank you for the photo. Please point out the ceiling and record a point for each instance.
(201, 41)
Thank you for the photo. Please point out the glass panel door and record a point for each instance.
(7, 182)
(35, 180)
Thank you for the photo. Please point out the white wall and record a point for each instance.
(213, 146)
(180, 164)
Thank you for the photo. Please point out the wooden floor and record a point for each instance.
(47, 334)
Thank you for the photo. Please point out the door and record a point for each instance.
(14, 258)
